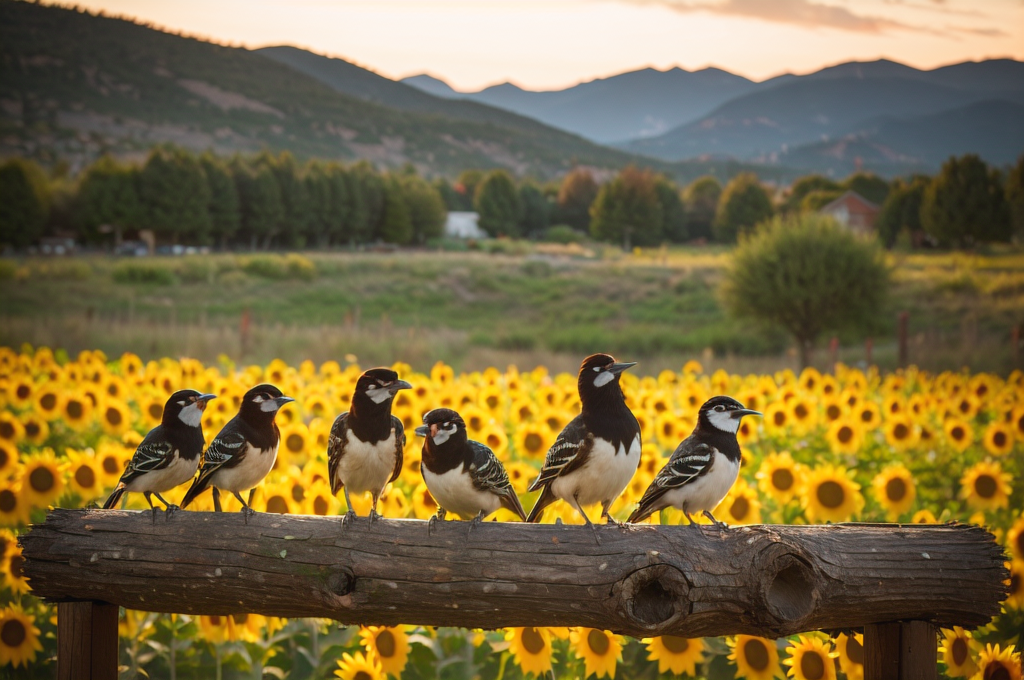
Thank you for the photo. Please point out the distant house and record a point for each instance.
(853, 211)
(462, 224)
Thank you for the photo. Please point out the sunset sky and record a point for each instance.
(556, 43)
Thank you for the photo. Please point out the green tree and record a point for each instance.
(627, 210)
(575, 196)
(108, 196)
(366, 191)
(452, 199)
(673, 214)
(804, 186)
(497, 202)
(260, 201)
(809, 275)
(295, 222)
(814, 201)
(965, 204)
(24, 202)
(700, 202)
(465, 186)
(223, 208)
(1015, 198)
(744, 204)
(175, 195)
(868, 185)
(427, 208)
(536, 209)
(901, 212)
(396, 222)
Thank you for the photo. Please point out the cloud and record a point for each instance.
(797, 12)
(985, 32)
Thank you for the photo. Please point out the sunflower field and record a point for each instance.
(856, 445)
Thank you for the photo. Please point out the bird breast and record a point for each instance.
(249, 472)
(604, 475)
(707, 491)
(179, 471)
(454, 491)
(366, 467)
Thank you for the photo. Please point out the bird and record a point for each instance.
(462, 475)
(703, 467)
(364, 449)
(244, 451)
(170, 453)
(597, 453)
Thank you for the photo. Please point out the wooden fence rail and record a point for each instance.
(636, 580)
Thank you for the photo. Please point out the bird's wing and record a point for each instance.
(228, 449)
(399, 428)
(690, 461)
(569, 452)
(154, 453)
(487, 472)
(336, 448)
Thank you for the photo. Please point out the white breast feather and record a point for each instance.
(176, 473)
(366, 467)
(705, 493)
(604, 476)
(248, 473)
(454, 491)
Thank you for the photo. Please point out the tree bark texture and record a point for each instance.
(637, 580)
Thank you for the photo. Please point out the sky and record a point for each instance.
(552, 44)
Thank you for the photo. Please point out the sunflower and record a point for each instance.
(1015, 538)
(83, 475)
(741, 506)
(36, 429)
(675, 654)
(19, 638)
(777, 418)
(831, 495)
(805, 417)
(844, 436)
(959, 433)
(8, 459)
(810, 659)
(747, 432)
(114, 416)
(14, 508)
(1015, 596)
(48, 401)
(491, 399)
(214, 628)
(14, 577)
(131, 367)
(779, 476)
(11, 430)
(925, 516)
(151, 409)
(423, 504)
(900, 433)
(41, 479)
(359, 667)
(998, 438)
(76, 410)
(810, 379)
(532, 440)
(295, 442)
(600, 650)
(388, 645)
(319, 500)
(756, 658)
(531, 649)
(277, 500)
(985, 486)
(895, 490)
(19, 391)
(995, 663)
(112, 460)
(495, 438)
(955, 651)
(868, 415)
(851, 655)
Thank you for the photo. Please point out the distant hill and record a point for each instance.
(74, 85)
(630, 105)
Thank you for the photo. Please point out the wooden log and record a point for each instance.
(693, 581)
(901, 651)
(86, 641)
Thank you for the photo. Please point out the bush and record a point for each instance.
(744, 204)
(7, 270)
(291, 266)
(300, 267)
(144, 273)
(808, 275)
(197, 269)
(64, 270)
(564, 234)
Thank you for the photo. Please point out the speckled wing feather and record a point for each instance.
(689, 461)
(568, 452)
(228, 449)
(336, 448)
(399, 428)
(489, 474)
(154, 453)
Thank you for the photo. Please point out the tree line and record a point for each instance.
(267, 201)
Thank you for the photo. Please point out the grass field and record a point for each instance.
(474, 309)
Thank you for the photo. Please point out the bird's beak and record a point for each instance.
(281, 401)
(740, 412)
(204, 399)
(423, 430)
(394, 387)
(618, 368)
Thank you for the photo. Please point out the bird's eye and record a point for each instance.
(719, 408)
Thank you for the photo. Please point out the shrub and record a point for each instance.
(808, 275)
(291, 266)
(300, 267)
(744, 203)
(7, 270)
(197, 269)
(564, 234)
(143, 272)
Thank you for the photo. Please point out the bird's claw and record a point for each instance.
(169, 511)
(349, 516)
(247, 512)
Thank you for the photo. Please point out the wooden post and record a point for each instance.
(903, 650)
(869, 346)
(86, 641)
(902, 339)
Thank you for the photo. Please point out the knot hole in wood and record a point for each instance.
(654, 598)
(789, 588)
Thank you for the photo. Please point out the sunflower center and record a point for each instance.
(845, 434)
(492, 401)
(959, 651)
(895, 489)
(901, 431)
(1015, 583)
(1020, 542)
(598, 642)
(832, 411)
(13, 633)
(48, 401)
(3, 457)
(32, 429)
(855, 650)
(278, 505)
(295, 443)
(831, 494)
(985, 485)
(782, 479)
(156, 411)
(533, 642)
(756, 654)
(812, 666)
(23, 392)
(493, 440)
(362, 675)
(779, 418)
(8, 501)
(957, 433)
(801, 411)
(15, 565)
(6, 429)
(215, 620)
(298, 493)
(41, 480)
(113, 416)
(740, 508)
(240, 619)
(675, 644)
(997, 671)
(320, 505)
(110, 465)
(999, 439)
(85, 477)
(386, 644)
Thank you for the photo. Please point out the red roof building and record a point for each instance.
(854, 212)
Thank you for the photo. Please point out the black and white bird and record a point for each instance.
(244, 450)
(598, 452)
(462, 475)
(169, 455)
(703, 467)
(364, 450)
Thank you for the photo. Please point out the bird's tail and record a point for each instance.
(115, 497)
(199, 485)
(641, 513)
(545, 499)
(511, 501)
